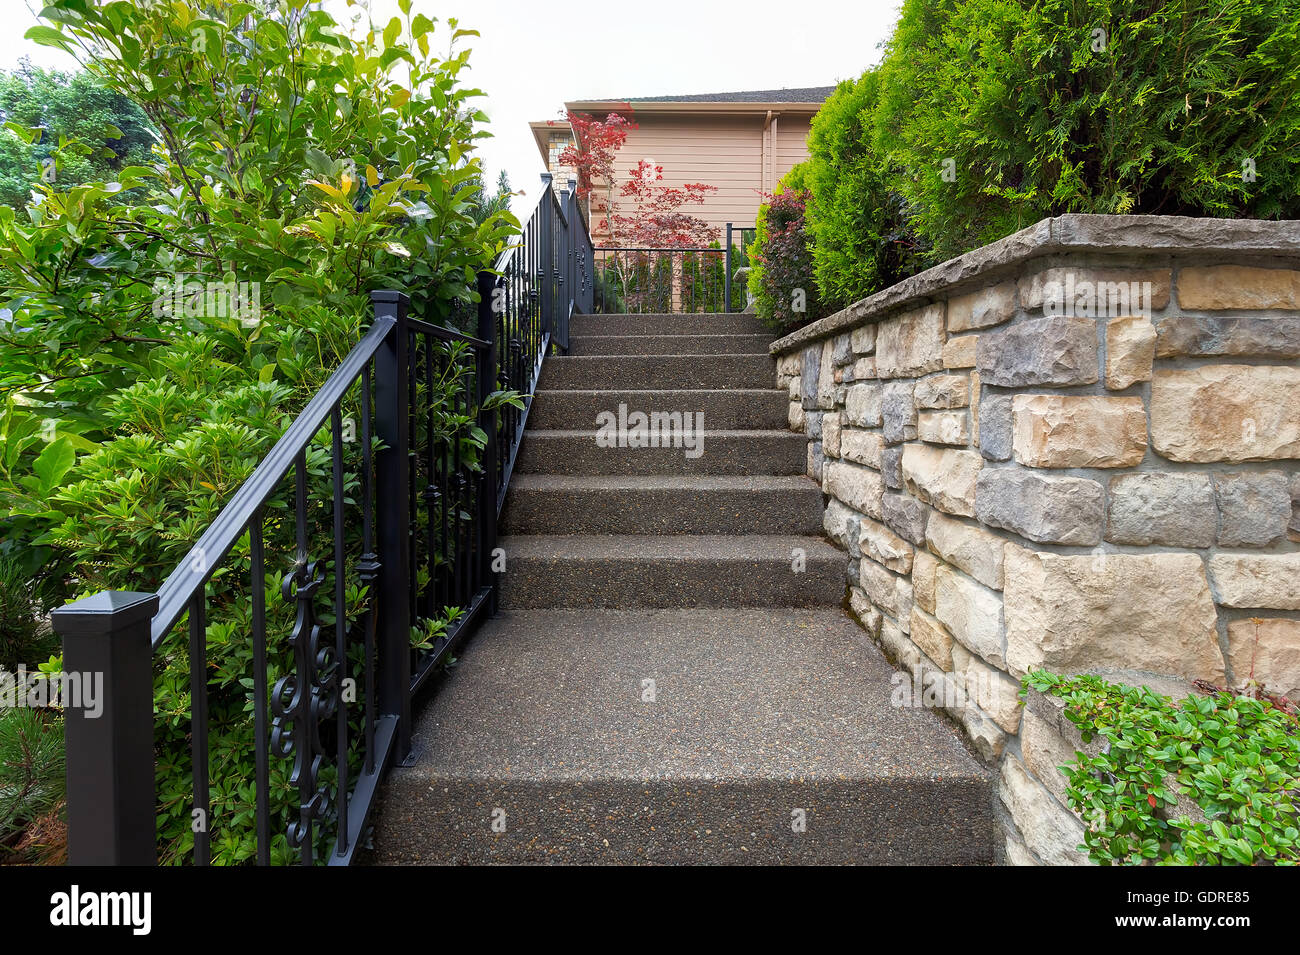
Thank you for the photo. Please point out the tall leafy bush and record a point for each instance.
(1001, 112)
(781, 265)
(861, 238)
(318, 163)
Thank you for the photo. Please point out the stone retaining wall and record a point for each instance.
(1022, 482)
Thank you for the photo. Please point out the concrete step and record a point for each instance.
(627, 572)
(702, 323)
(669, 344)
(724, 452)
(672, 504)
(544, 724)
(730, 409)
(658, 371)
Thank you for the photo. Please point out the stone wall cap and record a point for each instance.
(1076, 232)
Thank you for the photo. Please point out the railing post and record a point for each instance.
(487, 420)
(546, 255)
(393, 524)
(726, 278)
(112, 809)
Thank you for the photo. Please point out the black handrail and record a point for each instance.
(428, 528)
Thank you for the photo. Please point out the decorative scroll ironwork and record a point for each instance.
(302, 701)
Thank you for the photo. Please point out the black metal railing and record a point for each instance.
(397, 470)
(671, 279)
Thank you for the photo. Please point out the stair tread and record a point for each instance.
(689, 482)
(720, 433)
(678, 546)
(741, 695)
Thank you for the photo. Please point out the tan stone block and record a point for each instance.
(796, 417)
(1079, 614)
(971, 612)
(944, 427)
(794, 387)
(924, 566)
(935, 641)
(942, 391)
(1268, 581)
(975, 408)
(983, 308)
(884, 546)
(1268, 652)
(891, 593)
(910, 344)
(864, 447)
(788, 364)
(942, 477)
(968, 547)
(1065, 431)
(867, 615)
(863, 339)
(864, 368)
(1130, 351)
(1049, 829)
(1226, 413)
(859, 487)
(1044, 750)
(1238, 287)
(960, 352)
(1108, 288)
(831, 431)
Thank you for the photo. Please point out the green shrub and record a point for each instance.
(24, 639)
(1235, 757)
(318, 165)
(781, 282)
(31, 768)
(857, 221)
(1100, 106)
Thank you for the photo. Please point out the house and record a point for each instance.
(742, 143)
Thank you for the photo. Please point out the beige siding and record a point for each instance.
(733, 153)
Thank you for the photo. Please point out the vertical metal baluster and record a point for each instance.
(262, 781)
(412, 459)
(199, 724)
(304, 734)
(431, 495)
(444, 493)
(458, 488)
(340, 624)
(368, 567)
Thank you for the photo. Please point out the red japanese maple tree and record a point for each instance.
(655, 219)
(592, 153)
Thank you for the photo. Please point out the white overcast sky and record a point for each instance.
(530, 60)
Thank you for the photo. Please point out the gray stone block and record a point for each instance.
(1228, 335)
(1175, 510)
(1051, 510)
(1254, 508)
(891, 467)
(810, 374)
(1041, 351)
(906, 517)
(996, 431)
(898, 412)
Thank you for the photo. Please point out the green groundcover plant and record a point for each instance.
(303, 164)
(1209, 780)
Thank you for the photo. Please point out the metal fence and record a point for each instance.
(643, 280)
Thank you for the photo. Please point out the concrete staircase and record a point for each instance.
(671, 679)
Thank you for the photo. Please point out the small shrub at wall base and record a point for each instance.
(1211, 780)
